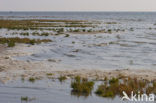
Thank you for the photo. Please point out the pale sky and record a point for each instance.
(77, 5)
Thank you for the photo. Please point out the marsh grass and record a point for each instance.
(66, 35)
(44, 34)
(11, 41)
(24, 33)
(81, 86)
(60, 30)
(24, 99)
(58, 26)
(36, 24)
(115, 86)
(49, 74)
(32, 79)
(110, 23)
(109, 31)
(27, 99)
(62, 78)
(35, 33)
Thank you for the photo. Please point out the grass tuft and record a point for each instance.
(32, 79)
(62, 78)
(81, 86)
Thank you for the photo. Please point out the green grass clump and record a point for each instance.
(90, 30)
(32, 79)
(44, 34)
(73, 42)
(35, 33)
(114, 80)
(110, 22)
(61, 30)
(104, 91)
(108, 90)
(109, 31)
(83, 30)
(24, 98)
(11, 41)
(67, 35)
(40, 24)
(62, 78)
(49, 74)
(115, 86)
(25, 34)
(76, 30)
(81, 86)
(32, 42)
(11, 44)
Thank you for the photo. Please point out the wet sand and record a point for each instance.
(2, 48)
(11, 69)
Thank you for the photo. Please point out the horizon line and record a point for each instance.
(71, 11)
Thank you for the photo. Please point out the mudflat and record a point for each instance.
(12, 69)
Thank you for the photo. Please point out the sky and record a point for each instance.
(77, 5)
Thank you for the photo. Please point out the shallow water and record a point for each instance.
(132, 48)
(50, 91)
(102, 51)
(46, 91)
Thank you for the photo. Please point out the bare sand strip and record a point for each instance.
(11, 69)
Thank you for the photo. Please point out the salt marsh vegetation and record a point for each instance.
(11, 41)
(36, 24)
(116, 86)
(62, 78)
(81, 86)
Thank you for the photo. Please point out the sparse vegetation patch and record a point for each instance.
(11, 41)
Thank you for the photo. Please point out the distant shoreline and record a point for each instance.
(90, 11)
